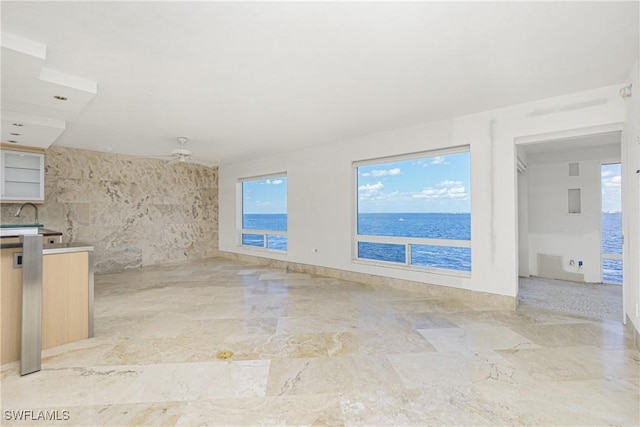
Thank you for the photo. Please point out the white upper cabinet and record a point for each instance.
(22, 176)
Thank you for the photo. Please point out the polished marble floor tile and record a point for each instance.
(309, 350)
(309, 410)
(475, 338)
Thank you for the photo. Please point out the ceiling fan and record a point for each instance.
(183, 155)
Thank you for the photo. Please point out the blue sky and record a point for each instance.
(265, 196)
(611, 188)
(430, 184)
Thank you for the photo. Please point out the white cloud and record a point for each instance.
(383, 172)
(449, 183)
(275, 181)
(430, 193)
(371, 187)
(439, 160)
(610, 181)
(611, 191)
(443, 190)
(370, 191)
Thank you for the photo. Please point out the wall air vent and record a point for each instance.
(574, 169)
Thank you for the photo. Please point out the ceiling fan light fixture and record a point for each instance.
(181, 153)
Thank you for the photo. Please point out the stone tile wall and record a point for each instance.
(134, 211)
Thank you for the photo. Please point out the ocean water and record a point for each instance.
(428, 225)
(437, 226)
(612, 244)
(275, 222)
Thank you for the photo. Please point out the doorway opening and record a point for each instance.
(569, 244)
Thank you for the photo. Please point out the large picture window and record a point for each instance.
(264, 212)
(415, 210)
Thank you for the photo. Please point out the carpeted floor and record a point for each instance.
(600, 301)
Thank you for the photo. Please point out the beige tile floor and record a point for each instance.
(320, 351)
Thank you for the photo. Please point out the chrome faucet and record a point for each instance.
(25, 204)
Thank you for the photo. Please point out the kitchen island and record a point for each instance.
(67, 295)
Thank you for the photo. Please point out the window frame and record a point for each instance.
(264, 232)
(408, 242)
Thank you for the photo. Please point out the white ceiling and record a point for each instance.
(573, 143)
(603, 146)
(244, 80)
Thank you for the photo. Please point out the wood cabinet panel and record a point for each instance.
(11, 306)
(65, 298)
(65, 301)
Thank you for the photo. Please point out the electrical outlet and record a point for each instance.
(579, 265)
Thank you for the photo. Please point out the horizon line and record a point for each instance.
(404, 213)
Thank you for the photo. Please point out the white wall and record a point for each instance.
(321, 202)
(562, 236)
(321, 189)
(631, 200)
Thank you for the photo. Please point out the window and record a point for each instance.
(415, 210)
(611, 229)
(264, 212)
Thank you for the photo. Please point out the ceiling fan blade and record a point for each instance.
(182, 155)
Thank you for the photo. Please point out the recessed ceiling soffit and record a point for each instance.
(38, 98)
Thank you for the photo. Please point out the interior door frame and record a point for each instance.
(558, 136)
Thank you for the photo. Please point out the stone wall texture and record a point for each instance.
(134, 211)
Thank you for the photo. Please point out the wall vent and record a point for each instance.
(574, 169)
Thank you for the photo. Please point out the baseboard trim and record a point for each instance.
(474, 299)
(635, 334)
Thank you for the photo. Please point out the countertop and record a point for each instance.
(44, 231)
(65, 248)
(55, 248)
